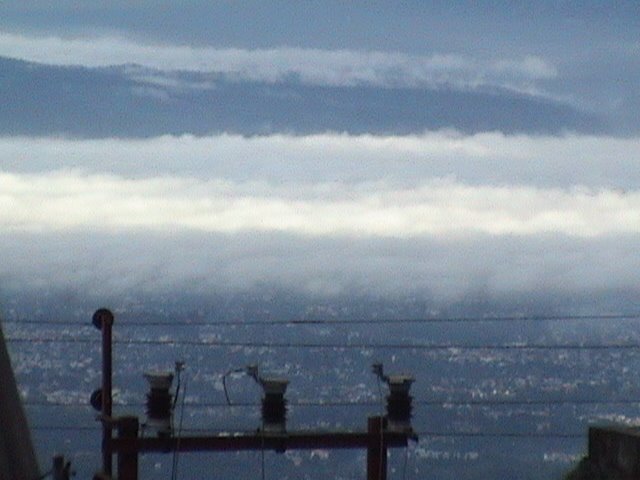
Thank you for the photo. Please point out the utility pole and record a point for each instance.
(102, 399)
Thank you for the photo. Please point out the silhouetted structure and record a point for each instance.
(17, 457)
(382, 432)
(614, 454)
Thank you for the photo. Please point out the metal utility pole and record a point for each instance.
(102, 399)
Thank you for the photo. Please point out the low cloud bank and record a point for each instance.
(446, 268)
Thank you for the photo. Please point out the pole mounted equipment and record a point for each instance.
(399, 401)
(159, 402)
(381, 434)
(274, 405)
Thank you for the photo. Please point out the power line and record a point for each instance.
(371, 403)
(336, 345)
(67, 428)
(455, 434)
(514, 435)
(425, 433)
(335, 321)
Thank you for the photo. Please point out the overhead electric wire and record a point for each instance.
(337, 321)
(337, 345)
(64, 428)
(176, 452)
(528, 435)
(420, 433)
(520, 346)
(372, 403)
(453, 433)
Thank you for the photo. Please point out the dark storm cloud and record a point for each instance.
(592, 45)
(415, 26)
(134, 102)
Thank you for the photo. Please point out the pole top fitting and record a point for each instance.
(101, 317)
(159, 380)
(270, 385)
(396, 383)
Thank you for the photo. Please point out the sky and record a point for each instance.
(325, 148)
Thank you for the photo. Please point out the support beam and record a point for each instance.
(128, 461)
(377, 449)
(376, 440)
(257, 441)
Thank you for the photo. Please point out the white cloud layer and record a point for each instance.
(73, 201)
(314, 66)
(437, 214)
(447, 268)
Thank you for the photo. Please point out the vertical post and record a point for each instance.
(61, 470)
(128, 461)
(103, 319)
(107, 321)
(377, 450)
